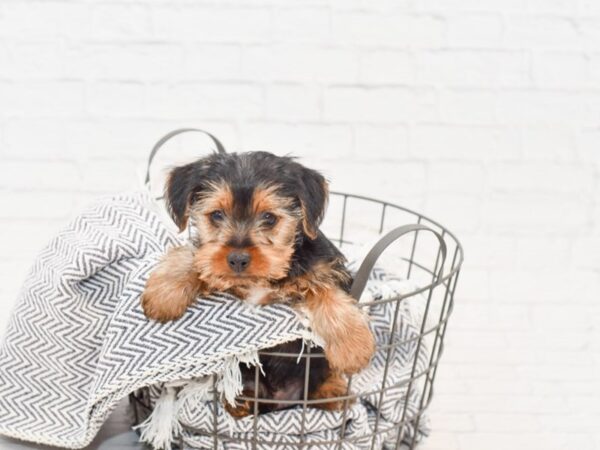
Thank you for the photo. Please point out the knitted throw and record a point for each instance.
(78, 341)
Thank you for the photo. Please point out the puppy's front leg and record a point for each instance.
(349, 343)
(172, 286)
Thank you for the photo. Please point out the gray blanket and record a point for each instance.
(78, 342)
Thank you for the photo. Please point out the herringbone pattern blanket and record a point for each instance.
(78, 341)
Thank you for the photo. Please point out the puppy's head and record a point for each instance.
(250, 211)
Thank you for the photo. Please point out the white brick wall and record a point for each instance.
(484, 114)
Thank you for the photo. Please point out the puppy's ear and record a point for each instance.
(314, 193)
(179, 193)
(183, 185)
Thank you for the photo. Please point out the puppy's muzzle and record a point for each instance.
(238, 261)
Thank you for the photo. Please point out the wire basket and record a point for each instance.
(422, 252)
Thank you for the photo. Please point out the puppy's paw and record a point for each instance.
(161, 303)
(242, 408)
(352, 352)
(332, 388)
(172, 287)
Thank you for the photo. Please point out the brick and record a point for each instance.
(120, 99)
(548, 32)
(449, 422)
(580, 422)
(594, 69)
(538, 253)
(226, 24)
(48, 140)
(474, 285)
(395, 183)
(460, 213)
(299, 24)
(387, 66)
(385, 105)
(120, 21)
(549, 143)
(108, 176)
(12, 275)
(555, 371)
(37, 99)
(300, 63)
(588, 141)
(592, 103)
(468, 106)
(43, 20)
(32, 60)
(22, 240)
(473, 5)
(540, 108)
(559, 69)
(540, 178)
(486, 253)
(131, 62)
(486, 317)
(526, 288)
(497, 403)
(502, 441)
(465, 142)
(472, 370)
(563, 7)
(308, 141)
(450, 386)
(473, 68)
(292, 102)
(390, 30)
(589, 8)
(464, 339)
(588, 29)
(514, 356)
(129, 139)
(212, 101)
(440, 441)
(212, 62)
(443, 177)
(48, 205)
(387, 141)
(36, 176)
(506, 387)
(559, 317)
(474, 30)
(549, 342)
(586, 252)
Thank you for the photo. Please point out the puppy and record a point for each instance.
(257, 217)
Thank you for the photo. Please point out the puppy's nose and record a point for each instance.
(238, 261)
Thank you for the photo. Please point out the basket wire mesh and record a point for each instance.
(434, 267)
(425, 253)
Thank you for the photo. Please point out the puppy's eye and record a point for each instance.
(217, 216)
(268, 219)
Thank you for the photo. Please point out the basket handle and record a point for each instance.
(168, 136)
(362, 275)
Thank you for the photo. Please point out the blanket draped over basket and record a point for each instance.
(78, 342)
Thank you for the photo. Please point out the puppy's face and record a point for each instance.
(250, 211)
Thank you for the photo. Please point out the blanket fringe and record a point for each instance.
(195, 391)
(230, 382)
(162, 426)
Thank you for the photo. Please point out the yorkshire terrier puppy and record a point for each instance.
(257, 217)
